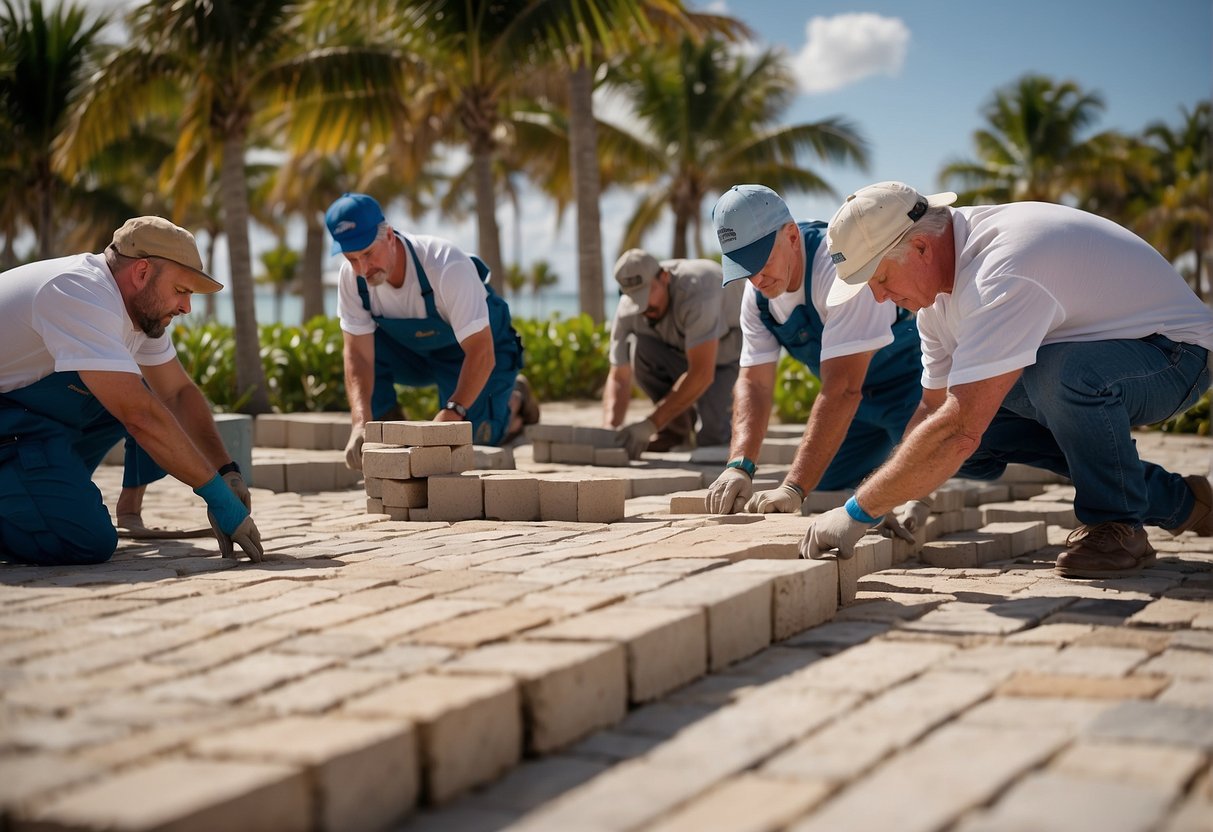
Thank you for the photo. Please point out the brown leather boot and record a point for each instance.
(1200, 520)
(1105, 550)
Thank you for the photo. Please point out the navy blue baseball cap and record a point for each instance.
(353, 220)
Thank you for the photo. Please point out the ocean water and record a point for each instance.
(290, 309)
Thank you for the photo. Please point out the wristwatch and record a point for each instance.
(457, 407)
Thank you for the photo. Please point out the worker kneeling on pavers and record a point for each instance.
(1047, 332)
(866, 356)
(86, 361)
(417, 311)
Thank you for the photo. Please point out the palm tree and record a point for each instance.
(48, 58)
(1031, 149)
(1178, 220)
(516, 279)
(229, 60)
(541, 277)
(710, 119)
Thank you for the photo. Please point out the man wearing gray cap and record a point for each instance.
(1046, 333)
(866, 358)
(677, 327)
(85, 363)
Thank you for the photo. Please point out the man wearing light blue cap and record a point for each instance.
(416, 311)
(866, 356)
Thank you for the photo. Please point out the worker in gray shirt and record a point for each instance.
(679, 329)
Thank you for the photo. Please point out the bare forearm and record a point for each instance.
(827, 427)
(475, 372)
(359, 381)
(156, 430)
(193, 413)
(751, 414)
(686, 391)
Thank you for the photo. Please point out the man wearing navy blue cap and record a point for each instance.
(866, 356)
(415, 310)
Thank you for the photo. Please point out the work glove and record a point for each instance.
(729, 493)
(353, 448)
(245, 535)
(239, 488)
(904, 520)
(635, 437)
(782, 500)
(230, 520)
(833, 530)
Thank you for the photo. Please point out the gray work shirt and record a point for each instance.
(700, 310)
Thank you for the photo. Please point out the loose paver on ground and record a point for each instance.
(606, 671)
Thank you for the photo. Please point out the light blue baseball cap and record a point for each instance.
(747, 218)
(353, 220)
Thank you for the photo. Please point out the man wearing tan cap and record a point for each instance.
(86, 362)
(677, 332)
(1046, 333)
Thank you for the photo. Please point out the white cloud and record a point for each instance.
(846, 48)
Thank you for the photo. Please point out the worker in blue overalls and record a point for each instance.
(866, 356)
(417, 311)
(85, 362)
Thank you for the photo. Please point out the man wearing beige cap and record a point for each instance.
(678, 330)
(86, 362)
(1047, 332)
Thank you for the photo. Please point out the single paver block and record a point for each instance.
(805, 592)
(427, 434)
(483, 627)
(568, 689)
(549, 433)
(463, 458)
(373, 487)
(410, 493)
(184, 794)
(269, 430)
(738, 607)
(600, 500)
(511, 498)
(594, 437)
(695, 502)
(1157, 723)
(558, 499)
(1023, 536)
(374, 432)
(431, 460)
(470, 726)
(455, 497)
(666, 648)
(387, 463)
(572, 453)
(541, 451)
(611, 457)
(1056, 685)
(364, 772)
(819, 502)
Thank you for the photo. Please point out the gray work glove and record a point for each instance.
(353, 448)
(782, 500)
(904, 520)
(833, 530)
(239, 488)
(728, 494)
(635, 437)
(245, 535)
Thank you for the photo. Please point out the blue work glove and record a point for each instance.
(230, 520)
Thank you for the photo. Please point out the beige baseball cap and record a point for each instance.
(157, 237)
(867, 226)
(634, 272)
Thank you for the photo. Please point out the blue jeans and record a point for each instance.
(1071, 411)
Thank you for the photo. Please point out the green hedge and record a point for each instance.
(565, 359)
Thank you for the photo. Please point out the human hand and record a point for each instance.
(635, 437)
(245, 535)
(239, 488)
(836, 529)
(353, 448)
(782, 500)
(904, 520)
(445, 415)
(728, 494)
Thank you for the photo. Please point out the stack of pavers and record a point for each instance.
(575, 445)
(421, 471)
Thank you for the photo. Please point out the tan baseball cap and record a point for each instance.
(157, 237)
(867, 226)
(634, 272)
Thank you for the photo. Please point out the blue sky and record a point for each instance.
(913, 77)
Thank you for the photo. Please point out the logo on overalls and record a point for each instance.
(428, 333)
(76, 389)
(484, 433)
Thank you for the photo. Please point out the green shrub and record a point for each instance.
(795, 390)
(1193, 420)
(565, 359)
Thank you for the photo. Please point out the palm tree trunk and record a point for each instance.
(679, 249)
(489, 245)
(46, 200)
(311, 272)
(583, 151)
(233, 189)
(212, 241)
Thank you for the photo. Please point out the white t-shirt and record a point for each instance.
(67, 314)
(1030, 274)
(459, 294)
(863, 325)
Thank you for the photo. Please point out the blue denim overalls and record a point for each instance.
(891, 388)
(421, 351)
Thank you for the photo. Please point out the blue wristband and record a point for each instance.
(744, 464)
(857, 513)
(226, 507)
